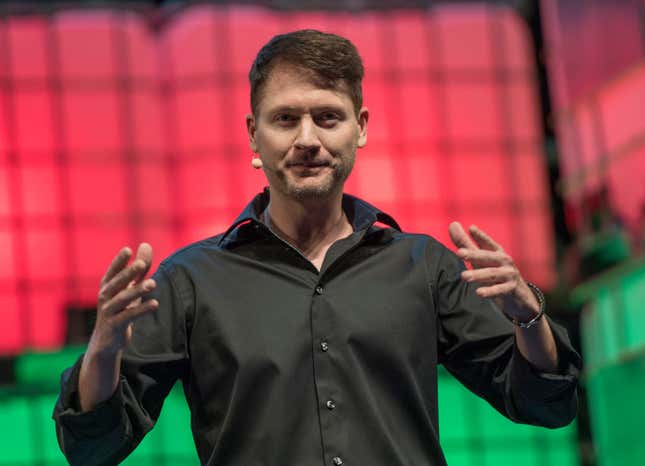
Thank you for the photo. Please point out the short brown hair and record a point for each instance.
(332, 60)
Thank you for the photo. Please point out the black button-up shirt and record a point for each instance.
(283, 364)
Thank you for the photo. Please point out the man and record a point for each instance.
(305, 334)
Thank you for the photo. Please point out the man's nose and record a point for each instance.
(307, 137)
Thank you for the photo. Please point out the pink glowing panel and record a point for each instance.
(40, 190)
(8, 258)
(140, 47)
(411, 47)
(425, 176)
(465, 35)
(530, 174)
(145, 139)
(366, 31)
(621, 107)
(45, 257)
(200, 115)
(86, 42)
(12, 340)
(473, 111)
(5, 124)
(627, 192)
(5, 199)
(483, 178)
(206, 183)
(247, 29)
(418, 119)
(376, 179)
(99, 189)
(92, 121)
(33, 120)
(93, 248)
(28, 39)
(516, 42)
(152, 186)
(523, 109)
(319, 21)
(46, 327)
(147, 136)
(192, 44)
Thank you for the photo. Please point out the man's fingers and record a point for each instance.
(119, 261)
(144, 253)
(132, 313)
(483, 239)
(489, 275)
(125, 297)
(459, 237)
(121, 280)
(481, 258)
(495, 290)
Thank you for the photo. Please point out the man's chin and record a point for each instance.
(309, 190)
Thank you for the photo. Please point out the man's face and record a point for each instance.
(306, 136)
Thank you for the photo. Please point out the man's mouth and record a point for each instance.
(305, 164)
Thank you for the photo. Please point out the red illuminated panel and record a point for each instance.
(191, 44)
(5, 206)
(92, 122)
(605, 136)
(147, 136)
(412, 43)
(465, 37)
(28, 52)
(86, 45)
(12, 339)
(33, 119)
(596, 71)
(120, 134)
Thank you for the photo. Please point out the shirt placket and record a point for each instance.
(329, 394)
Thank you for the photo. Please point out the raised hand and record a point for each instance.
(495, 270)
(119, 299)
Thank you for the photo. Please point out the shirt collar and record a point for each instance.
(360, 214)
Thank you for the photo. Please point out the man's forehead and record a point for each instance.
(284, 77)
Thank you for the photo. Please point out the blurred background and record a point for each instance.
(123, 122)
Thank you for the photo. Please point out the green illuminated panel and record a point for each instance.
(16, 440)
(472, 432)
(617, 417)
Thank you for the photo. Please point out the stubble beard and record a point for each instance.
(328, 186)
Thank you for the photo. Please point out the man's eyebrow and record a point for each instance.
(296, 109)
(285, 108)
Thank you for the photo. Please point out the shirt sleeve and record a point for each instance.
(153, 361)
(476, 344)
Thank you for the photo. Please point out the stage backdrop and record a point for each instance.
(115, 129)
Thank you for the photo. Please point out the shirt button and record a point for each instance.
(319, 289)
(337, 460)
(324, 345)
(331, 404)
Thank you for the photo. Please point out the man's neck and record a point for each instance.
(311, 226)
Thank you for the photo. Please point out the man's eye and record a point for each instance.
(328, 118)
(284, 118)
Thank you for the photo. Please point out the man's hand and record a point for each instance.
(495, 271)
(119, 304)
(119, 299)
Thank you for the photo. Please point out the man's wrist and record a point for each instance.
(541, 301)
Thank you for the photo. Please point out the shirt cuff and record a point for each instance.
(104, 418)
(548, 386)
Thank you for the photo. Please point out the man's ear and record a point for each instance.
(363, 117)
(250, 129)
